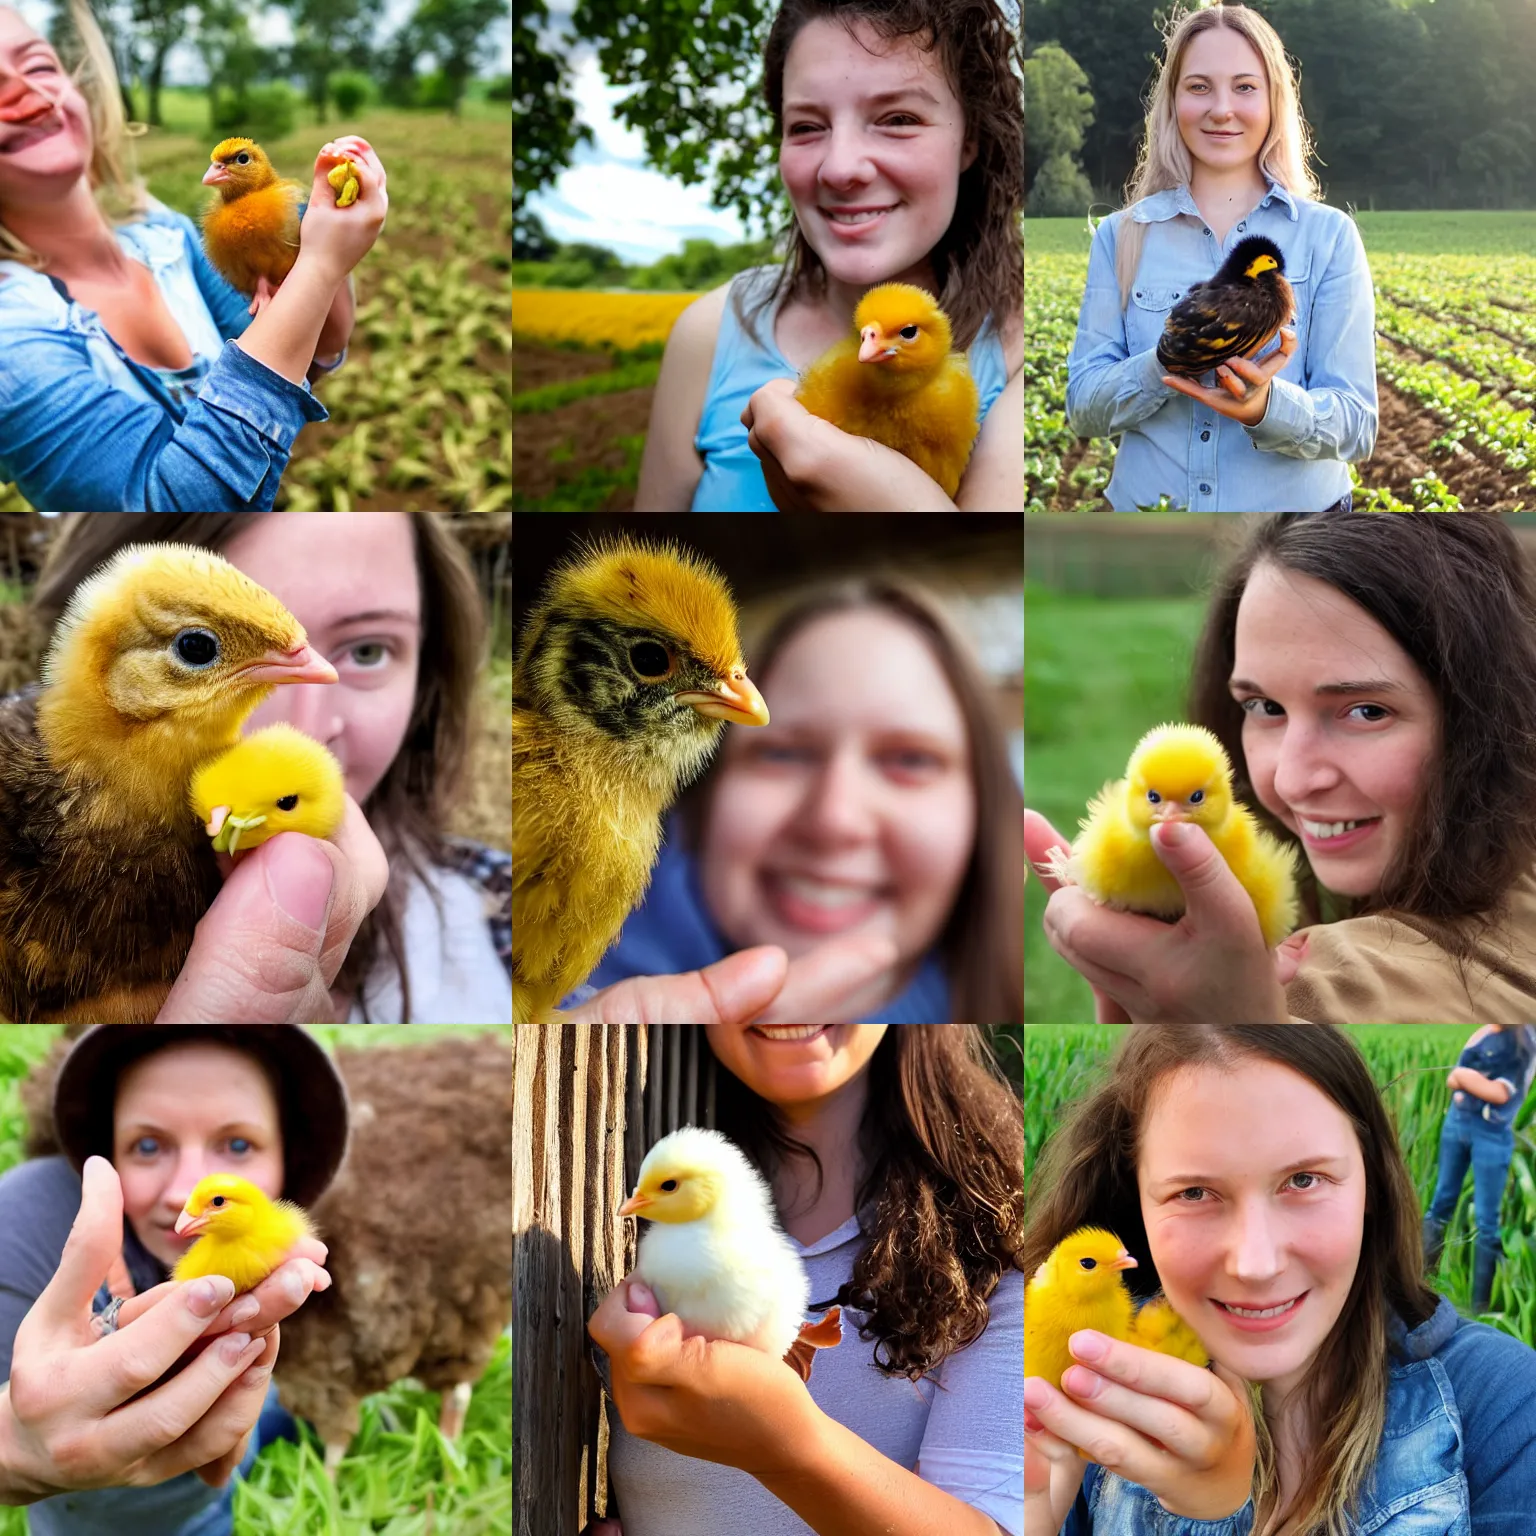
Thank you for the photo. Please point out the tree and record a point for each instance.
(232, 56)
(1060, 190)
(1058, 108)
(327, 33)
(162, 24)
(455, 31)
(545, 132)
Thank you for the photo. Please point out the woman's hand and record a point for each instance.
(812, 466)
(339, 238)
(1243, 391)
(1183, 1433)
(1209, 967)
(834, 983)
(706, 1398)
(85, 1411)
(269, 947)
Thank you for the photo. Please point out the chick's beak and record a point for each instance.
(872, 347)
(1170, 810)
(634, 1205)
(303, 665)
(187, 1225)
(215, 174)
(734, 698)
(1123, 1260)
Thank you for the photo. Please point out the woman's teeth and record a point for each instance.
(789, 1031)
(854, 218)
(1267, 1312)
(825, 893)
(1331, 828)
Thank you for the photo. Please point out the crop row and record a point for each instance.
(593, 319)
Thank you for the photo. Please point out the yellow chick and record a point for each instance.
(626, 671)
(896, 381)
(276, 780)
(343, 177)
(240, 1232)
(1176, 773)
(251, 233)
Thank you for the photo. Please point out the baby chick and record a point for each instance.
(896, 380)
(251, 234)
(1177, 773)
(158, 660)
(628, 665)
(714, 1254)
(275, 780)
(1235, 314)
(240, 1232)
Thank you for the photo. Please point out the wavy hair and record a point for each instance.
(978, 264)
(1086, 1176)
(1163, 160)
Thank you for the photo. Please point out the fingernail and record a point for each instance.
(294, 1288)
(206, 1296)
(1174, 834)
(299, 877)
(1081, 1383)
(1032, 1425)
(244, 1309)
(1036, 1393)
(232, 1346)
(641, 1295)
(1088, 1345)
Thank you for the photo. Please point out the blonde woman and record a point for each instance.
(1225, 157)
(122, 385)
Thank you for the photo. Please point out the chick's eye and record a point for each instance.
(1089, 1263)
(242, 158)
(288, 802)
(1153, 797)
(217, 1200)
(649, 660)
(1197, 797)
(668, 1185)
(909, 333)
(197, 647)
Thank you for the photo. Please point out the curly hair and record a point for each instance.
(979, 262)
(941, 1199)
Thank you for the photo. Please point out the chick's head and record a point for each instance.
(276, 780)
(238, 166)
(634, 645)
(901, 329)
(224, 1205)
(690, 1174)
(1086, 1265)
(1178, 773)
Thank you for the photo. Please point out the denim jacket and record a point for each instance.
(1322, 405)
(1508, 1054)
(1457, 1454)
(84, 428)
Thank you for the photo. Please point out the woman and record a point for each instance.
(123, 386)
(1367, 1403)
(1224, 158)
(869, 118)
(894, 1157)
(1373, 680)
(165, 1108)
(876, 805)
(394, 603)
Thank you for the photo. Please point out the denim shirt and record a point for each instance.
(1457, 1454)
(1322, 405)
(1508, 1054)
(85, 428)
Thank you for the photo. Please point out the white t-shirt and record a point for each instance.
(963, 1433)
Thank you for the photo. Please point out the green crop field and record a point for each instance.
(1455, 361)
(1409, 1065)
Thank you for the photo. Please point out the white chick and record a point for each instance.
(714, 1253)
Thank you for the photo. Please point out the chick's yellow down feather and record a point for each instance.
(276, 780)
(1177, 773)
(897, 381)
(240, 1232)
(714, 1253)
(626, 670)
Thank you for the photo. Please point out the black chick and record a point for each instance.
(1233, 315)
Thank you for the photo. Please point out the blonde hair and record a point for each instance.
(1164, 159)
(113, 171)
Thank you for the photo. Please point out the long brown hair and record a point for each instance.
(1086, 1176)
(941, 1197)
(979, 262)
(409, 806)
(982, 943)
(1455, 593)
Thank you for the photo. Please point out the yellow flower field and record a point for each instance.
(595, 319)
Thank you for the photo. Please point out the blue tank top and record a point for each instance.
(733, 477)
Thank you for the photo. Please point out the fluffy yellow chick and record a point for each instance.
(240, 1232)
(626, 671)
(251, 233)
(897, 381)
(276, 780)
(1177, 773)
(714, 1253)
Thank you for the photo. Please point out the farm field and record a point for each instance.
(1455, 359)
(419, 413)
(1408, 1064)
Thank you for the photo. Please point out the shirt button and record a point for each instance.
(1243, 225)
(1205, 490)
(1207, 231)
(1205, 437)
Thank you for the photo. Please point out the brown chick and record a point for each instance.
(104, 872)
(251, 234)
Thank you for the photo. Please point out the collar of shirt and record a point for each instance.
(1176, 200)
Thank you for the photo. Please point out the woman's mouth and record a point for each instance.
(820, 906)
(1336, 836)
(1261, 1319)
(35, 134)
(852, 226)
(790, 1033)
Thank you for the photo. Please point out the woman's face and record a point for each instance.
(45, 125)
(1253, 1193)
(1222, 100)
(853, 811)
(1341, 727)
(185, 1112)
(350, 579)
(845, 149)
(799, 1074)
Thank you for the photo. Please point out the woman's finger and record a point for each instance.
(95, 1239)
(280, 1295)
(1154, 1417)
(1040, 839)
(840, 980)
(127, 1361)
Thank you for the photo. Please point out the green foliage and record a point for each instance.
(458, 33)
(545, 132)
(591, 490)
(499, 88)
(551, 396)
(1060, 103)
(351, 90)
(1059, 188)
(259, 112)
(434, 92)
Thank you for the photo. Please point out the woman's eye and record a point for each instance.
(1381, 713)
(772, 754)
(239, 1145)
(1316, 1180)
(1194, 1189)
(145, 1146)
(912, 762)
(1257, 706)
(369, 654)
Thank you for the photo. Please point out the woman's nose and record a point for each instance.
(844, 163)
(836, 806)
(1303, 767)
(20, 102)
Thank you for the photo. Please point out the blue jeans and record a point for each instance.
(1468, 1138)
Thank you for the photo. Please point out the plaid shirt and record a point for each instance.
(491, 870)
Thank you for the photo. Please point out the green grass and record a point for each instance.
(399, 1477)
(1097, 674)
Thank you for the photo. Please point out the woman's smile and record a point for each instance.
(820, 906)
